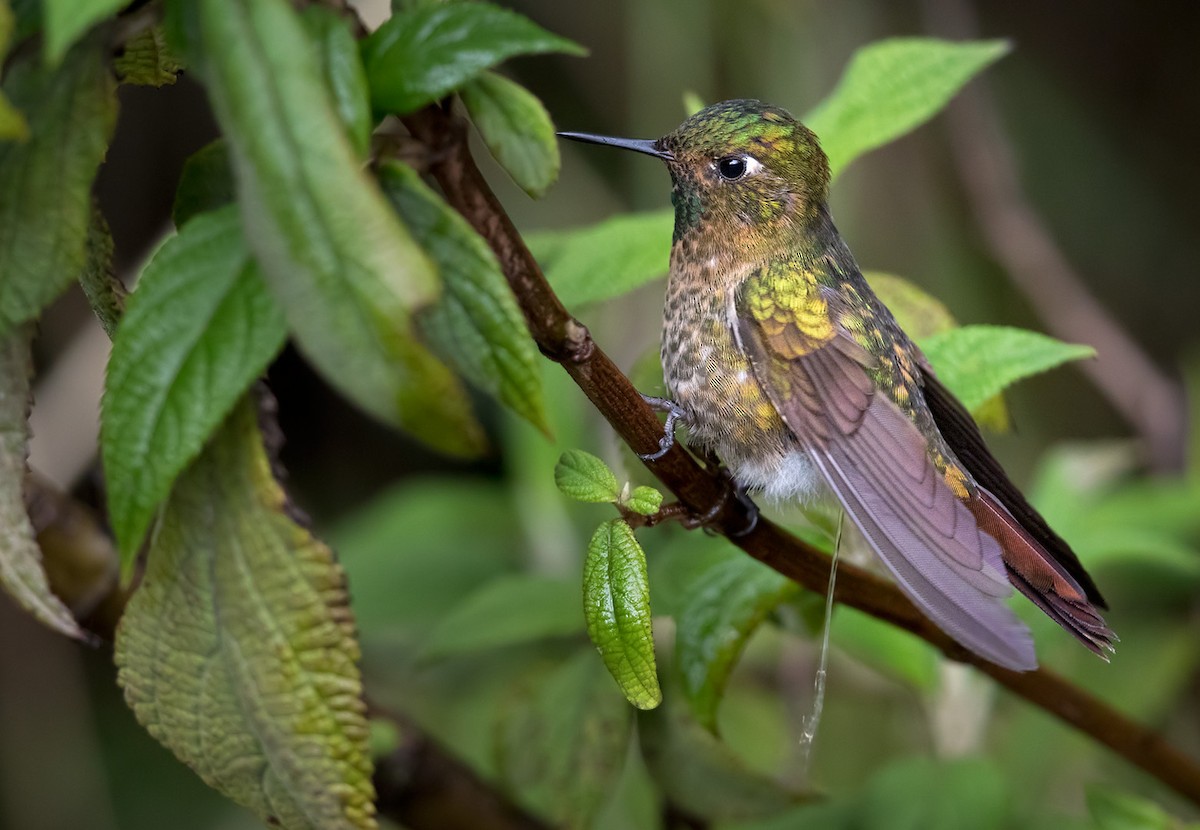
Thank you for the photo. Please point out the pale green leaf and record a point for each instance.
(979, 362)
(198, 330)
(917, 311)
(508, 611)
(344, 73)
(561, 748)
(887, 649)
(420, 55)
(1113, 809)
(21, 573)
(238, 651)
(516, 128)
(644, 500)
(891, 87)
(723, 609)
(605, 260)
(45, 182)
(936, 795)
(347, 273)
(66, 21)
(921, 314)
(147, 60)
(700, 774)
(12, 123)
(584, 477)
(616, 604)
(476, 325)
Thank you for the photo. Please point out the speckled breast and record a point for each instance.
(712, 379)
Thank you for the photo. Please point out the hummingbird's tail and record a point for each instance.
(1037, 575)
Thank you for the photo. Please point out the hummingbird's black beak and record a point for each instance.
(638, 145)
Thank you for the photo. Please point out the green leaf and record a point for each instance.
(205, 183)
(344, 73)
(1115, 810)
(616, 605)
(198, 330)
(476, 325)
(584, 477)
(507, 611)
(45, 182)
(347, 273)
(920, 794)
(629, 251)
(66, 21)
(921, 315)
(411, 558)
(885, 648)
(147, 60)
(563, 746)
(105, 293)
(701, 775)
(979, 362)
(917, 311)
(420, 55)
(516, 128)
(724, 607)
(644, 500)
(12, 123)
(894, 86)
(238, 651)
(21, 573)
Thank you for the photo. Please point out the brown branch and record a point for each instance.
(1150, 401)
(565, 340)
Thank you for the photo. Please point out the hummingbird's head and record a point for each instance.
(740, 170)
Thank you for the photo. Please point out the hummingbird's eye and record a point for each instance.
(732, 168)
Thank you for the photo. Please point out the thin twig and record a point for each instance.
(1150, 401)
(564, 339)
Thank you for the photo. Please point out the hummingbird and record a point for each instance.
(779, 358)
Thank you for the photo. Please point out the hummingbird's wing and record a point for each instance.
(1039, 562)
(877, 462)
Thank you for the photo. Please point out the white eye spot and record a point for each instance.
(734, 168)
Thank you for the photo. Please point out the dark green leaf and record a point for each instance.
(616, 604)
(476, 325)
(892, 87)
(344, 73)
(105, 293)
(563, 746)
(725, 606)
(978, 362)
(198, 330)
(68, 20)
(347, 273)
(644, 500)
(147, 60)
(421, 55)
(21, 573)
(584, 477)
(605, 260)
(507, 611)
(516, 129)
(45, 182)
(238, 650)
(205, 184)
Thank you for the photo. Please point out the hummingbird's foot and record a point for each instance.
(675, 413)
(739, 491)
